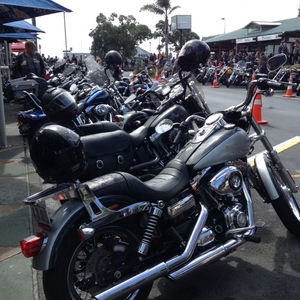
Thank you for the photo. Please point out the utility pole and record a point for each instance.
(65, 33)
(224, 24)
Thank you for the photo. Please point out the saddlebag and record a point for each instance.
(107, 152)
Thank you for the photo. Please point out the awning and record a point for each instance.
(14, 10)
(18, 36)
(23, 25)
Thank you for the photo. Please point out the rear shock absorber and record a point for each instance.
(154, 216)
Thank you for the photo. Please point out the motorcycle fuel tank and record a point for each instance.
(176, 113)
(98, 97)
(223, 145)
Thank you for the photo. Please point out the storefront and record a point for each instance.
(258, 36)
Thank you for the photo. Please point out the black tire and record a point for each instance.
(286, 206)
(57, 282)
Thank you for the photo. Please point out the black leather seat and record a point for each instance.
(138, 135)
(166, 185)
(99, 127)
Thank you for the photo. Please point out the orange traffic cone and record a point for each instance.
(289, 91)
(257, 109)
(163, 77)
(156, 74)
(215, 82)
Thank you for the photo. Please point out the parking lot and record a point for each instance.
(270, 269)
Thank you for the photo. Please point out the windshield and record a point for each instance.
(95, 72)
(69, 69)
(196, 91)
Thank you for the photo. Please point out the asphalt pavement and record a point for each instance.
(269, 270)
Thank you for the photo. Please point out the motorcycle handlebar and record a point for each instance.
(184, 125)
(262, 84)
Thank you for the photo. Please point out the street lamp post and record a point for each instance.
(224, 24)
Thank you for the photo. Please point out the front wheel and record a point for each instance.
(86, 268)
(286, 206)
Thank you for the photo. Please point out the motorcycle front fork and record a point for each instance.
(274, 157)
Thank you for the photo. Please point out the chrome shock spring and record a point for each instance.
(153, 219)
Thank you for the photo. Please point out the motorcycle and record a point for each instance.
(112, 236)
(143, 152)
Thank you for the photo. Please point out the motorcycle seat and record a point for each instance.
(138, 135)
(94, 128)
(165, 186)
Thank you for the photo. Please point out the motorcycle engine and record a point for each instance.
(226, 188)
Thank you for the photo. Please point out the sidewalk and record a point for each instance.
(17, 180)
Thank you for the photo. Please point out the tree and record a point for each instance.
(121, 33)
(174, 36)
(162, 7)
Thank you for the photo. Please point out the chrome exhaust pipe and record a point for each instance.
(206, 258)
(159, 270)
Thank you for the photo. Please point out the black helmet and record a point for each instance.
(57, 154)
(113, 58)
(192, 54)
(59, 105)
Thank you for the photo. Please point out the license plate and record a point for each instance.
(40, 214)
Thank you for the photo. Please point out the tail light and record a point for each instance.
(20, 119)
(32, 245)
(119, 118)
(47, 76)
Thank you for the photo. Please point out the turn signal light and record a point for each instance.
(32, 245)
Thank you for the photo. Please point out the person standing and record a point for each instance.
(283, 48)
(74, 59)
(29, 62)
(295, 52)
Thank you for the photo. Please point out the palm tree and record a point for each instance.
(162, 7)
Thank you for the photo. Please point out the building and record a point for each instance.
(141, 53)
(258, 36)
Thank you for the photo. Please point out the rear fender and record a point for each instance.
(266, 177)
(71, 215)
(63, 221)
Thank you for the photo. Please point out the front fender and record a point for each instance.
(266, 177)
(64, 219)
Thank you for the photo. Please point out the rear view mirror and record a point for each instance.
(277, 61)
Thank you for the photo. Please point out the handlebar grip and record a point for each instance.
(274, 84)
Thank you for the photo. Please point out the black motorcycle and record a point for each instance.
(143, 152)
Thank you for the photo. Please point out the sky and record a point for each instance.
(206, 19)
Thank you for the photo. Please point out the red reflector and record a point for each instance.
(61, 197)
(32, 245)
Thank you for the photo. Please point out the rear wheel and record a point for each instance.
(87, 268)
(287, 205)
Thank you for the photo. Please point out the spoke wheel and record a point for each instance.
(101, 262)
(287, 205)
